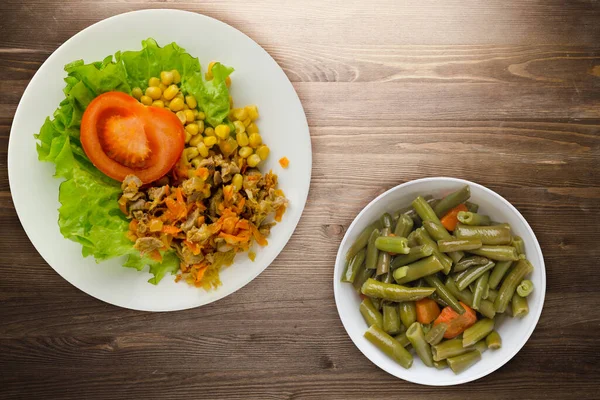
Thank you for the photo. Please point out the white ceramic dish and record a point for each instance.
(514, 332)
(257, 80)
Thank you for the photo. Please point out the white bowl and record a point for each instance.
(257, 80)
(514, 332)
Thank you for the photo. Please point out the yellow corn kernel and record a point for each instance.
(166, 77)
(206, 191)
(228, 81)
(186, 107)
(263, 152)
(158, 103)
(154, 92)
(200, 126)
(196, 140)
(237, 182)
(162, 87)
(191, 101)
(210, 141)
(222, 131)
(196, 161)
(201, 116)
(209, 131)
(202, 149)
(189, 116)
(188, 137)
(239, 127)
(146, 100)
(242, 138)
(153, 82)
(155, 225)
(195, 113)
(252, 111)
(253, 160)
(255, 140)
(252, 128)
(240, 113)
(245, 152)
(171, 92)
(181, 116)
(190, 153)
(137, 93)
(193, 129)
(247, 122)
(176, 76)
(180, 95)
(176, 104)
(209, 74)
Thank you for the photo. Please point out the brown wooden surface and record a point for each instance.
(503, 93)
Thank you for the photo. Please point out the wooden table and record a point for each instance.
(506, 94)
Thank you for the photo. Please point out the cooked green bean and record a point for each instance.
(389, 346)
(478, 331)
(417, 338)
(498, 273)
(471, 218)
(438, 232)
(480, 346)
(391, 292)
(402, 339)
(424, 210)
(520, 308)
(518, 243)
(472, 207)
(436, 334)
(362, 240)
(370, 313)
(472, 274)
(509, 286)
(452, 200)
(386, 220)
(525, 288)
(361, 277)
(408, 313)
(441, 302)
(489, 235)
(372, 253)
(426, 328)
(404, 226)
(450, 245)
(399, 272)
(444, 293)
(448, 348)
(460, 363)
(486, 308)
(469, 262)
(415, 253)
(391, 319)
(392, 244)
(497, 253)
(440, 364)
(480, 288)
(384, 258)
(412, 239)
(409, 209)
(354, 266)
(492, 294)
(423, 238)
(413, 214)
(386, 278)
(419, 269)
(493, 340)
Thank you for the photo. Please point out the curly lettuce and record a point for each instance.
(89, 213)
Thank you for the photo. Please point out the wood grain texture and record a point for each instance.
(506, 94)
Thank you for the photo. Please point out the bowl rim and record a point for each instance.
(339, 262)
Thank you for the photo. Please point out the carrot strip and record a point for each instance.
(427, 310)
(450, 220)
(457, 323)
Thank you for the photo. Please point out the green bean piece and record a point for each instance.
(497, 253)
(400, 272)
(472, 207)
(371, 315)
(498, 273)
(389, 346)
(408, 209)
(441, 302)
(472, 274)
(473, 219)
(460, 363)
(412, 240)
(480, 285)
(415, 253)
(450, 245)
(436, 334)
(510, 283)
(486, 308)
(362, 240)
(426, 328)
(452, 200)
(372, 253)
(384, 258)
(423, 238)
(469, 262)
(354, 266)
(520, 308)
(391, 319)
(489, 235)
(416, 337)
(472, 286)
(477, 331)
(377, 302)
(438, 232)
(392, 244)
(525, 288)
(480, 346)
(440, 364)
(391, 292)
(518, 243)
(415, 216)
(402, 339)
(361, 277)
(486, 290)
(448, 348)
(386, 278)
(419, 269)
(493, 340)
(444, 293)
(386, 220)
(424, 210)
(492, 294)
(408, 313)
(404, 226)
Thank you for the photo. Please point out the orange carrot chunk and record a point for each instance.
(457, 323)
(284, 162)
(427, 310)
(451, 218)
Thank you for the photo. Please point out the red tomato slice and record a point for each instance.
(121, 137)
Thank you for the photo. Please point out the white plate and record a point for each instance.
(257, 80)
(514, 332)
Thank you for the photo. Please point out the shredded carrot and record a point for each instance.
(133, 225)
(202, 173)
(234, 240)
(427, 310)
(170, 229)
(279, 213)
(284, 162)
(450, 220)
(194, 247)
(155, 255)
(260, 239)
(457, 323)
(228, 193)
